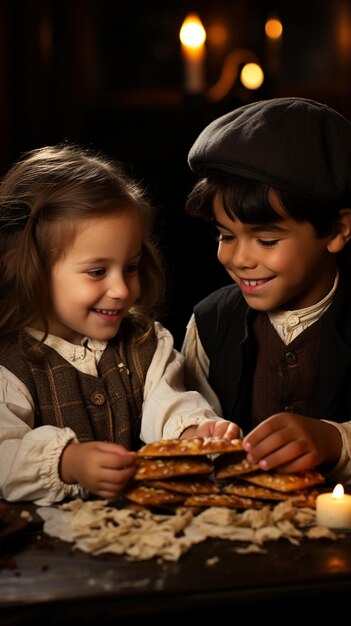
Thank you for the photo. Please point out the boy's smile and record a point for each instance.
(278, 265)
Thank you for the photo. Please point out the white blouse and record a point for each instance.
(29, 457)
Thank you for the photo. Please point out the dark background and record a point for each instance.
(109, 75)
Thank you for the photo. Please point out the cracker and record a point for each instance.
(304, 498)
(221, 499)
(149, 496)
(186, 485)
(233, 465)
(253, 491)
(191, 447)
(285, 482)
(149, 468)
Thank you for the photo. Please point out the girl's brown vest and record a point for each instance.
(104, 408)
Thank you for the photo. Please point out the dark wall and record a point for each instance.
(109, 75)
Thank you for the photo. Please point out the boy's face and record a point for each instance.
(278, 265)
(96, 281)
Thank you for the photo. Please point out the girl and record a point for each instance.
(81, 357)
(273, 351)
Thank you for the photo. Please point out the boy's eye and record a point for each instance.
(222, 238)
(97, 273)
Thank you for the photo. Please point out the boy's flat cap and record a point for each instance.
(293, 144)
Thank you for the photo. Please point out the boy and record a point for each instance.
(272, 352)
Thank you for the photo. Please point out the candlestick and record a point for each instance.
(334, 509)
(192, 36)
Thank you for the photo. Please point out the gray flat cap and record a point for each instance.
(293, 144)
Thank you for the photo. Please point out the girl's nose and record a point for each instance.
(118, 289)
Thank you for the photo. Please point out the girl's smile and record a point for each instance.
(109, 316)
(96, 281)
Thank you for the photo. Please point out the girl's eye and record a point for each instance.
(268, 243)
(98, 273)
(132, 269)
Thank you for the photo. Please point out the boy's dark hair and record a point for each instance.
(248, 201)
(42, 199)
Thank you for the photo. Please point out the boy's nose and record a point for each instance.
(238, 256)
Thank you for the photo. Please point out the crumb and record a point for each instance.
(252, 548)
(212, 561)
(26, 515)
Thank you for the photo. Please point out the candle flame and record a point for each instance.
(273, 28)
(192, 33)
(338, 491)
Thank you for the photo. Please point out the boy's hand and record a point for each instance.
(293, 443)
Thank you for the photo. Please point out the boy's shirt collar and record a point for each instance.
(289, 324)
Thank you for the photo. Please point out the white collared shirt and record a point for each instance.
(84, 358)
(289, 324)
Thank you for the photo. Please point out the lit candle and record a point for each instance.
(274, 31)
(192, 36)
(334, 509)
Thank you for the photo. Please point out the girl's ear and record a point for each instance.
(342, 232)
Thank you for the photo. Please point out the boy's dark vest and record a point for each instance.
(104, 408)
(285, 375)
(233, 342)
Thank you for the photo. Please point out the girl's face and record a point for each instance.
(96, 280)
(278, 265)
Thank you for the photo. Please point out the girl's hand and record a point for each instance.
(101, 467)
(293, 443)
(213, 428)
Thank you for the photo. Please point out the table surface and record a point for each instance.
(44, 578)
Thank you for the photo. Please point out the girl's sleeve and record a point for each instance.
(29, 457)
(169, 407)
(196, 365)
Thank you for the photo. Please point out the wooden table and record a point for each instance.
(43, 579)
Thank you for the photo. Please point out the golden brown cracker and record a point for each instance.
(285, 482)
(191, 447)
(149, 468)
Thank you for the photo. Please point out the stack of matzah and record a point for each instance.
(204, 472)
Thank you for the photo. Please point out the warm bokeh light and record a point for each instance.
(217, 34)
(252, 76)
(273, 28)
(192, 32)
(338, 491)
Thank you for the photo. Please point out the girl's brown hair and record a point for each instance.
(42, 198)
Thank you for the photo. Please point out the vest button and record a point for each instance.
(97, 398)
(291, 358)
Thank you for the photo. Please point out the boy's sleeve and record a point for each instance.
(342, 471)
